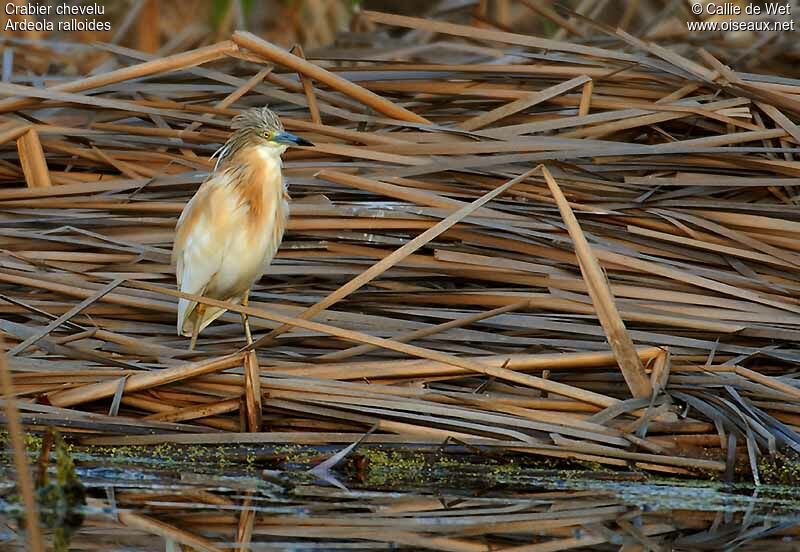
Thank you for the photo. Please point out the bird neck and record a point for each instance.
(259, 168)
(271, 151)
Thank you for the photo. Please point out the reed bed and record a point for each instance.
(521, 245)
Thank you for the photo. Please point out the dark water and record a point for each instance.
(375, 504)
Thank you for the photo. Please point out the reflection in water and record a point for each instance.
(454, 510)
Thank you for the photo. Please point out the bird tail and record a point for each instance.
(188, 313)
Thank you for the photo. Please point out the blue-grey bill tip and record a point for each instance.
(290, 139)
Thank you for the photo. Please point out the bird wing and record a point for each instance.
(199, 250)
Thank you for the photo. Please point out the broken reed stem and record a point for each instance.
(398, 255)
(522, 104)
(308, 90)
(154, 526)
(602, 298)
(423, 332)
(31, 157)
(20, 347)
(586, 99)
(16, 435)
(247, 517)
(12, 131)
(420, 368)
(139, 382)
(275, 54)
(252, 387)
(148, 30)
(183, 60)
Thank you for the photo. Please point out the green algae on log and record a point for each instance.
(62, 499)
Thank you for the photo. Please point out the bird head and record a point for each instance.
(258, 127)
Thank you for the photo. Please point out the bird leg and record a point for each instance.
(245, 322)
(199, 311)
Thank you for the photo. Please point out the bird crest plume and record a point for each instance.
(249, 127)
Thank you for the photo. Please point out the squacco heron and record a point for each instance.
(231, 229)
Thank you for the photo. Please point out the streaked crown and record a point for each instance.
(259, 119)
(257, 127)
(253, 127)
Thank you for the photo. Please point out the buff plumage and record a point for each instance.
(231, 229)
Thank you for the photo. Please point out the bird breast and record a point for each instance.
(256, 202)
